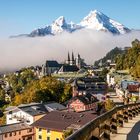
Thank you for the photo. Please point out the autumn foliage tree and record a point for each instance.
(45, 89)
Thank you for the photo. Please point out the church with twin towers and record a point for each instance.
(78, 61)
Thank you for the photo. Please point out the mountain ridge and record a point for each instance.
(95, 20)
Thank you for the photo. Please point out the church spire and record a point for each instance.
(68, 57)
(73, 61)
(72, 57)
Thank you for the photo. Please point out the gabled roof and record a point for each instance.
(32, 109)
(13, 127)
(85, 99)
(52, 63)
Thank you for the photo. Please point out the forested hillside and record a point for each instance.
(130, 60)
(109, 56)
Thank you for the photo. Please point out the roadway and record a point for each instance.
(113, 96)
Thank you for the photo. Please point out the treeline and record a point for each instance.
(130, 60)
(111, 55)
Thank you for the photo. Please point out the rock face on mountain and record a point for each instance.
(94, 21)
(58, 26)
(98, 21)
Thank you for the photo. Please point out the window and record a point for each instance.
(40, 137)
(57, 138)
(5, 135)
(14, 133)
(29, 138)
(48, 138)
(29, 130)
(10, 134)
(19, 132)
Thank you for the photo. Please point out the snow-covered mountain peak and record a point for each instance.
(94, 17)
(60, 21)
(98, 21)
(95, 12)
(95, 20)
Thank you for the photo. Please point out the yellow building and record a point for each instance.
(46, 134)
(57, 125)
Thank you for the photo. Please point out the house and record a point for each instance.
(130, 87)
(110, 79)
(83, 103)
(26, 112)
(54, 125)
(29, 113)
(50, 67)
(17, 131)
(93, 85)
(112, 65)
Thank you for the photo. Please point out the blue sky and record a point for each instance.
(22, 16)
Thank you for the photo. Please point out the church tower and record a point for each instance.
(73, 60)
(68, 58)
(78, 61)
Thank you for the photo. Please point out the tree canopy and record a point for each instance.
(44, 89)
(111, 55)
(130, 60)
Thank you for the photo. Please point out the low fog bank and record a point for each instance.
(16, 53)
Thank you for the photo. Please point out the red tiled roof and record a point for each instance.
(133, 88)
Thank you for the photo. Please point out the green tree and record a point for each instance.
(2, 94)
(44, 89)
(130, 60)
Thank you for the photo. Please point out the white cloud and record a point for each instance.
(92, 45)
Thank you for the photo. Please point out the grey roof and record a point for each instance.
(52, 63)
(69, 68)
(13, 127)
(54, 106)
(34, 109)
(10, 108)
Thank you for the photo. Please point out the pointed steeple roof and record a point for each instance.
(78, 55)
(72, 56)
(68, 57)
